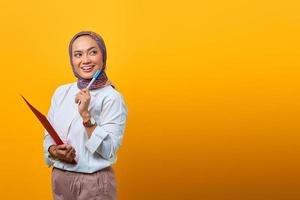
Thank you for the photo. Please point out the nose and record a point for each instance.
(85, 59)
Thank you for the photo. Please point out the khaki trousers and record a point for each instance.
(68, 185)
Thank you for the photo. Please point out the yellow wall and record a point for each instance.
(212, 89)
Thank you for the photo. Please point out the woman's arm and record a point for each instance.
(48, 141)
(86, 116)
(106, 137)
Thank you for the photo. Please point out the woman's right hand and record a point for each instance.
(64, 152)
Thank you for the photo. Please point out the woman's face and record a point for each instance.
(86, 56)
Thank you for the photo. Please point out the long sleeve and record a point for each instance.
(48, 141)
(107, 136)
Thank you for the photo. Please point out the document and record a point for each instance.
(43, 119)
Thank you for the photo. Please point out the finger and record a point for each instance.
(68, 147)
(84, 90)
(78, 98)
(83, 100)
(61, 153)
(61, 146)
(73, 156)
(70, 156)
(83, 96)
(72, 150)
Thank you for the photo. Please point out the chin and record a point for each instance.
(86, 75)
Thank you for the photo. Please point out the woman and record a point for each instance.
(91, 124)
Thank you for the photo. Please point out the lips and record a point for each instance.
(87, 68)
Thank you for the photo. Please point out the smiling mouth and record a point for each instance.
(87, 68)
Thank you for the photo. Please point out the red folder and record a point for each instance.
(43, 119)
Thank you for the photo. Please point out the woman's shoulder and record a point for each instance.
(111, 98)
(61, 89)
(109, 92)
(109, 95)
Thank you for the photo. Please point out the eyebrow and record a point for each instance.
(81, 50)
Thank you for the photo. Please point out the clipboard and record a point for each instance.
(44, 121)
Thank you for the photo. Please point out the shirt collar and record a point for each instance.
(74, 90)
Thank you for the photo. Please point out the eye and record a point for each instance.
(77, 55)
(93, 52)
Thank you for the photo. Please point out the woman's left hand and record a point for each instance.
(83, 99)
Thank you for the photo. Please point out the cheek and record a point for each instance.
(75, 62)
(98, 59)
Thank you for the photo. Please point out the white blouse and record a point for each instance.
(108, 109)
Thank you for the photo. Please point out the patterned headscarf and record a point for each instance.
(102, 80)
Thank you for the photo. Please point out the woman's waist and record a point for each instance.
(83, 171)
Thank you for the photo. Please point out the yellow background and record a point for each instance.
(212, 89)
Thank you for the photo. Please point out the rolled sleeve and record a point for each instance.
(96, 139)
(48, 141)
(107, 136)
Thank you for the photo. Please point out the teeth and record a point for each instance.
(88, 67)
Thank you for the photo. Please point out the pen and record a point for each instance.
(95, 76)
